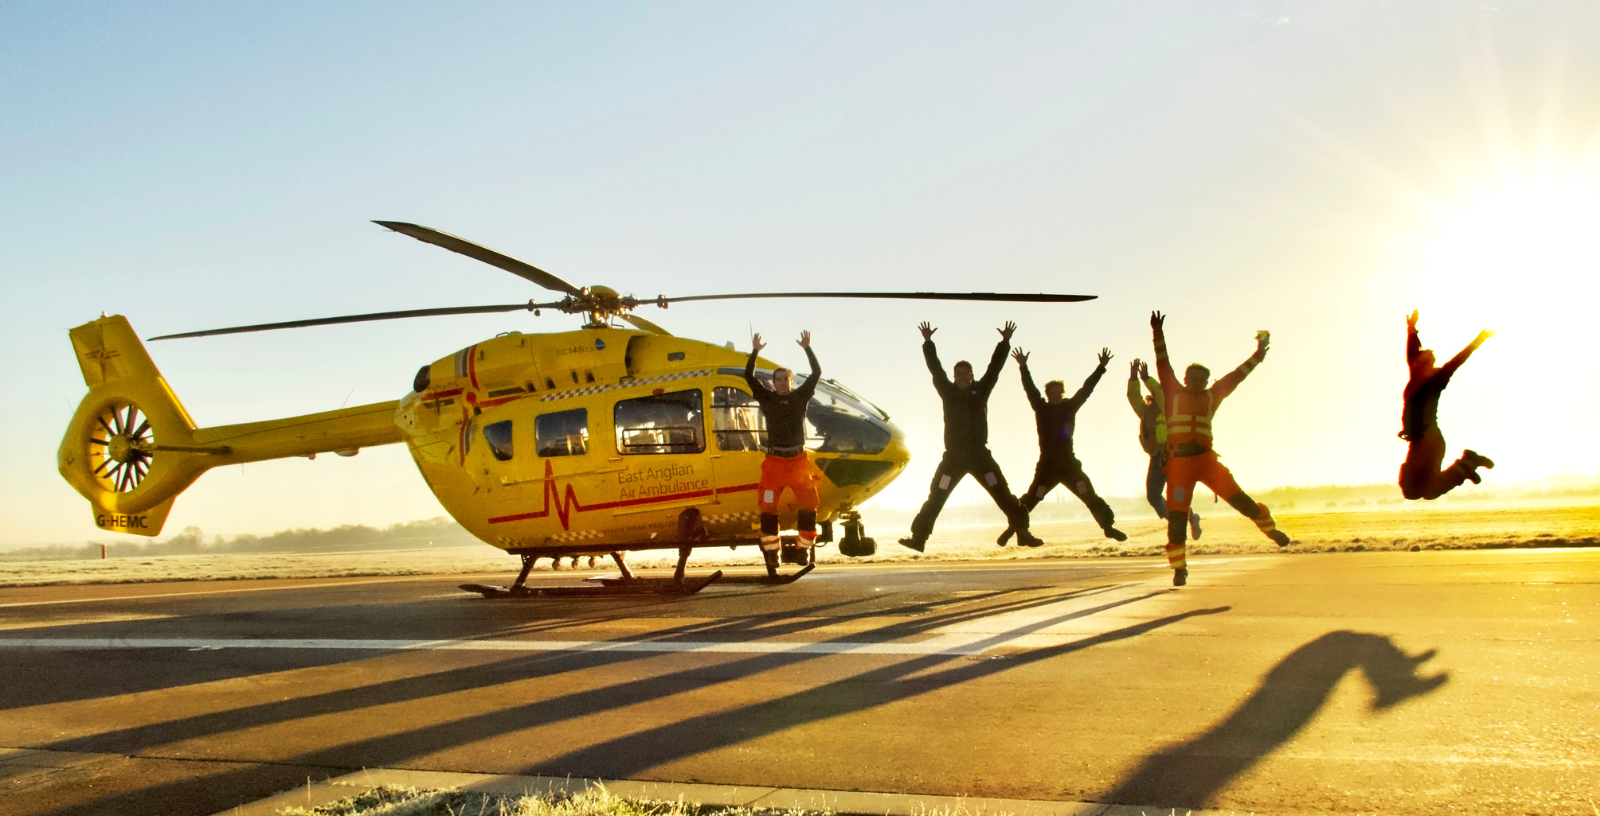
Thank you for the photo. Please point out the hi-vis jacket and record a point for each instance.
(1152, 415)
(1189, 415)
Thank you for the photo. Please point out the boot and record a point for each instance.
(1180, 576)
(1027, 539)
(914, 543)
(1005, 537)
(1114, 533)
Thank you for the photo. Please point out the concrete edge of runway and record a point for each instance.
(845, 803)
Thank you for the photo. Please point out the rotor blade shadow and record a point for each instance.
(1192, 773)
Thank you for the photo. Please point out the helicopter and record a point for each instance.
(601, 440)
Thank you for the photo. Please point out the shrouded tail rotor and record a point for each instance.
(120, 447)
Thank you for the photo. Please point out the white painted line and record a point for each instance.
(312, 583)
(939, 645)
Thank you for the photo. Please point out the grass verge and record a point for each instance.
(390, 800)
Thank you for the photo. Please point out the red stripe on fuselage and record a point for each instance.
(569, 502)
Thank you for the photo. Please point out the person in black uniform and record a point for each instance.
(1420, 476)
(786, 465)
(1055, 417)
(966, 440)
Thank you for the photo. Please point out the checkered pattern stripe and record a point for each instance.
(727, 518)
(577, 535)
(597, 389)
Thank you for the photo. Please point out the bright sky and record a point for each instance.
(1316, 169)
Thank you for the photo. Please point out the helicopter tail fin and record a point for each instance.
(109, 453)
(132, 448)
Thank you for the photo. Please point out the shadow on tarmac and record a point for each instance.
(624, 756)
(1192, 773)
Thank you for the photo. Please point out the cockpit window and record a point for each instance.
(837, 421)
(673, 422)
(563, 433)
(498, 435)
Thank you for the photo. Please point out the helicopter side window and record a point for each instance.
(673, 422)
(737, 420)
(498, 435)
(564, 433)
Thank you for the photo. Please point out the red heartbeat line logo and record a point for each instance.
(566, 503)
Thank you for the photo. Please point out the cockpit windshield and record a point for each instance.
(837, 421)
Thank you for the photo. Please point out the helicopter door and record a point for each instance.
(661, 442)
(741, 437)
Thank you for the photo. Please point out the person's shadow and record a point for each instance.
(1191, 773)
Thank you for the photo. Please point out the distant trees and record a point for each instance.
(440, 532)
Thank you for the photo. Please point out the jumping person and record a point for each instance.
(785, 465)
(1055, 416)
(1420, 476)
(966, 440)
(1153, 438)
(1190, 458)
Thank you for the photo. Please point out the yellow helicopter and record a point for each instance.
(599, 440)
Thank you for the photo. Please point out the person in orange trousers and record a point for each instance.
(1190, 458)
(1420, 476)
(786, 465)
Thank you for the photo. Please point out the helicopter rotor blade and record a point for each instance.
(641, 323)
(363, 318)
(462, 246)
(1009, 297)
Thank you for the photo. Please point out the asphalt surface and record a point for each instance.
(1398, 683)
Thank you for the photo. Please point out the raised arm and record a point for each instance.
(1135, 397)
(930, 355)
(997, 360)
(1462, 355)
(1094, 378)
(1413, 340)
(750, 367)
(1034, 398)
(1163, 366)
(1231, 380)
(816, 370)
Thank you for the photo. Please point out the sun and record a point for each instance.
(1525, 249)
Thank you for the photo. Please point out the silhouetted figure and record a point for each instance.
(966, 440)
(1420, 476)
(1055, 416)
(1190, 458)
(1192, 773)
(785, 465)
(1153, 438)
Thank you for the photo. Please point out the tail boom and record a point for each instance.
(132, 448)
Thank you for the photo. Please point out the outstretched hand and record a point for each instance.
(1105, 356)
(1020, 356)
(1482, 336)
(1157, 319)
(1411, 319)
(1263, 340)
(1005, 333)
(927, 330)
(1144, 370)
(1133, 370)
(755, 343)
(805, 339)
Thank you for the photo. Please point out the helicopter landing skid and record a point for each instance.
(770, 580)
(608, 587)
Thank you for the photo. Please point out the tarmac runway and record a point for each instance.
(1397, 683)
